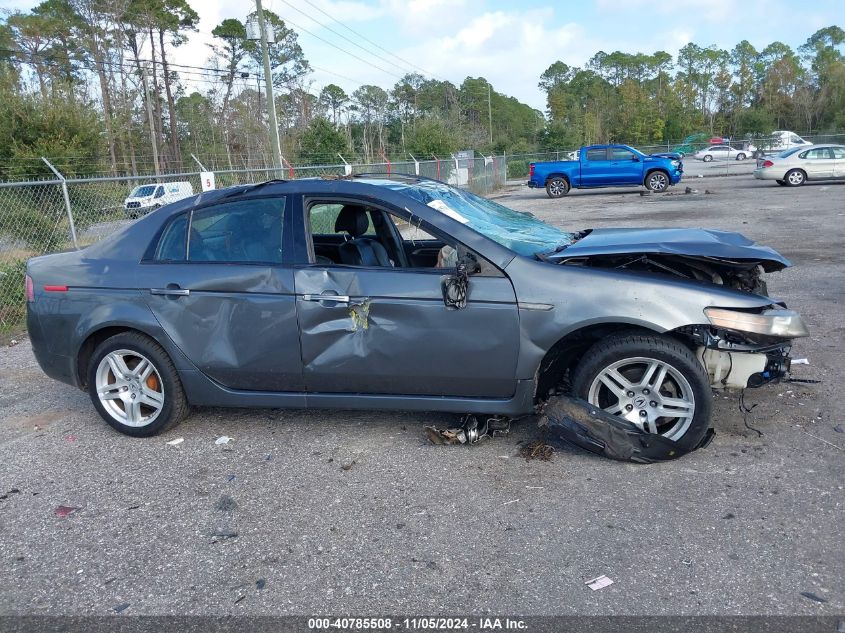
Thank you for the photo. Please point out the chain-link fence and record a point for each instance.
(51, 215)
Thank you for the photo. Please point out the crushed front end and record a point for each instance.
(744, 348)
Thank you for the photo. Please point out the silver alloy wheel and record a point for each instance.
(129, 388)
(557, 187)
(740, 156)
(650, 393)
(657, 181)
(795, 177)
(707, 158)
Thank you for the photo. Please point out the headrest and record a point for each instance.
(352, 219)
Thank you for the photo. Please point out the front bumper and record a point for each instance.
(675, 176)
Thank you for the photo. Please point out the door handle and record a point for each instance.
(327, 297)
(170, 292)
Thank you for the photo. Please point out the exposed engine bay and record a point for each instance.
(740, 275)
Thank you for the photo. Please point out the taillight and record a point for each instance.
(30, 289)
(768, 163)
(531, 170)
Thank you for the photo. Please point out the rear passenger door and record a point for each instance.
(595, 167)
(218, 283)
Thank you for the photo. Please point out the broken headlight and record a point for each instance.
(779, 323)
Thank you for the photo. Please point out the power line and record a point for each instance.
(341, 35)
(343, 50)
(369, 41)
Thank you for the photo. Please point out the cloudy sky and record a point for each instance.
(509, 42)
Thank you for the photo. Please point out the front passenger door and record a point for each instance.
(386, 329)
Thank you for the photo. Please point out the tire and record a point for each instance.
(142, 405)
(795, 178)
(707, 158)
(657, 181)
(740, 156)
(557, 187)
(631, 357)
(781, 183)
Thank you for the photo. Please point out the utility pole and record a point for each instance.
(150, 119)
(268, 89)
(490, 113)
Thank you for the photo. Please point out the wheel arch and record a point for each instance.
(651, 170)
(557, 175)
(568, 350)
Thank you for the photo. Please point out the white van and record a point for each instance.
(145, 198)
(784, 139)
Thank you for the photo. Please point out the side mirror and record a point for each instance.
(455, 288)
(635, 159)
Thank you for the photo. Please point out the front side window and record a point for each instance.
(619, 153)
(159, 192)
(247, 231)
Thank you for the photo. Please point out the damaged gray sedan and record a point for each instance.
(404, 293)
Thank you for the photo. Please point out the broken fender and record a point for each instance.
(588, 427)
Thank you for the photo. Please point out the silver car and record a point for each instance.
(721, 152)
(797, 165)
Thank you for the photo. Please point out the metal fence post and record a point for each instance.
(67, 201)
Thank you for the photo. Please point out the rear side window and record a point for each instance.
(838, 153)
(174, 241)
(597, 154)
(247, 231)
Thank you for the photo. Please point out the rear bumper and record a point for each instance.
(533, 185)
(762, 173)
(56, 366)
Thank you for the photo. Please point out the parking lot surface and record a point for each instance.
(312, 512)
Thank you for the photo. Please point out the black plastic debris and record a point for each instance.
(580, 423)
(811, 596)
(470, 431)
(123, 606)
(259, 584)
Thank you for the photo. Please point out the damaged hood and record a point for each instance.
(722, 245)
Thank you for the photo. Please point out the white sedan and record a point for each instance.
(798, 165)
(721, 152)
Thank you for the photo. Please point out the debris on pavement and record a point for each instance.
(599, 582)
(13, 342)
(537, 450)
(64, 511)
(223, 439)
(176, 442)
(811, 596)
(347, 464)
(507, 503)
(838, 428)
(226, 504)
(123, 606)
(70, 438)
(800, 361)
(224, 533)
(259, 584)
(580, 423)
(230, 478)
(470, 432)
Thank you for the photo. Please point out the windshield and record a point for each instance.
(521, 232)
(790, 152)
(142, 191)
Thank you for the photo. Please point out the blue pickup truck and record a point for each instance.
(607, 166)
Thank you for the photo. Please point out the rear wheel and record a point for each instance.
(657, 181)
(134, 385)
(652, 381)
(707, 158)
(795, 177)
(557, 187)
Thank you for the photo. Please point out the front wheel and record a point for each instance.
(740, 156)
(657, 181)
(707, 158)
(654, 382)
(134, 385)
(795, 177)
(557, 187)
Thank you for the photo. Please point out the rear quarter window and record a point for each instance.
(173, 244)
